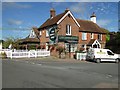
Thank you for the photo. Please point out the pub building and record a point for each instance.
(71, 33)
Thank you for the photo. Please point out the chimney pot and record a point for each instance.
(52, 13)
(67, 9)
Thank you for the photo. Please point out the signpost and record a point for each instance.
(52, 35)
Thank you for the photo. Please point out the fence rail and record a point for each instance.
(118, 55)
(26, 53)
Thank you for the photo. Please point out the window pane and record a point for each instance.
(68, 30)
(84, 36)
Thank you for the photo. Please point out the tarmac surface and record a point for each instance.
(51, 72)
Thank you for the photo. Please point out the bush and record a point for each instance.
(60, 50)
(3, 55)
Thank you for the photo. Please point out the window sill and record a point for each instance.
(68, 34)
(47, 36)
(84, 40)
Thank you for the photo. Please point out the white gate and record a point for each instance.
(81, 56)
(32, 53)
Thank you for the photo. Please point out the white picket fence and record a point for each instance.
(119, 55)
(26, 53)
(81, 56)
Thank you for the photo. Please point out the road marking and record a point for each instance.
(33, 63)
(109, 76)
(39, 64)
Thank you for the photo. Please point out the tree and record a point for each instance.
(107, 34)
(114, 44)
(11, 40)
(60, 50)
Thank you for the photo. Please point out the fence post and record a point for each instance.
(28, 54)
(11, 54)
(35, 53)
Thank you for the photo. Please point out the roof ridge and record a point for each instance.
(53, 20)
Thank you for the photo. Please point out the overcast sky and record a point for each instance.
(24, 15)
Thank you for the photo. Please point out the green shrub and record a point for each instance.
(60, 50)
(3, 55)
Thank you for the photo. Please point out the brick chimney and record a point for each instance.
(52, 13)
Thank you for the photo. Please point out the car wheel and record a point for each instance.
(98, 60)
(117, 60)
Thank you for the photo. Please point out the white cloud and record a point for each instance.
(103, 22)
(14, 22)
(78, 8)
(15, 5)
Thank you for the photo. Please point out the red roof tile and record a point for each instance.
(52, 21)
(89, 26)
(29, 40)
(85, 25)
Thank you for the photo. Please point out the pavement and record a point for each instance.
(50, 72)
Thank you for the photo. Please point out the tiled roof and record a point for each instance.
(85, 25)
(89, 26)
(29, 40)
(36, 32)
(52, 21)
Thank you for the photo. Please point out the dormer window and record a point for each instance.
(32, 34)
(68, 30)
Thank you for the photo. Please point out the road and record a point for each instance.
(49, 73)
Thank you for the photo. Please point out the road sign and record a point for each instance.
(52, 34)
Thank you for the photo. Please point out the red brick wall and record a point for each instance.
(43, 38)
(71, 22)
(74, 32)
(89, 38)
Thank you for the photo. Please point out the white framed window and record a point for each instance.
(40, 33)
(72, 47)
(84, 36)
(92, 35)
(67, 47)
(46, 45)
(47, 33)
(100, 37)
(68, 29)
(32, 34)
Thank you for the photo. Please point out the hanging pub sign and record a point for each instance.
(52, 34)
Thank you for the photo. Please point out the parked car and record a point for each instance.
(98, 55)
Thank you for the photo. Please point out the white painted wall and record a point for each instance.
(93, 19)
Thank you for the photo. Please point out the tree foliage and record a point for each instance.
(114, 44)
(60, 50)
(11, 40)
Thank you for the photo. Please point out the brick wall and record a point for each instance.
(71, 22)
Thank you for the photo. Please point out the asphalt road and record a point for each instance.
(58, 74)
